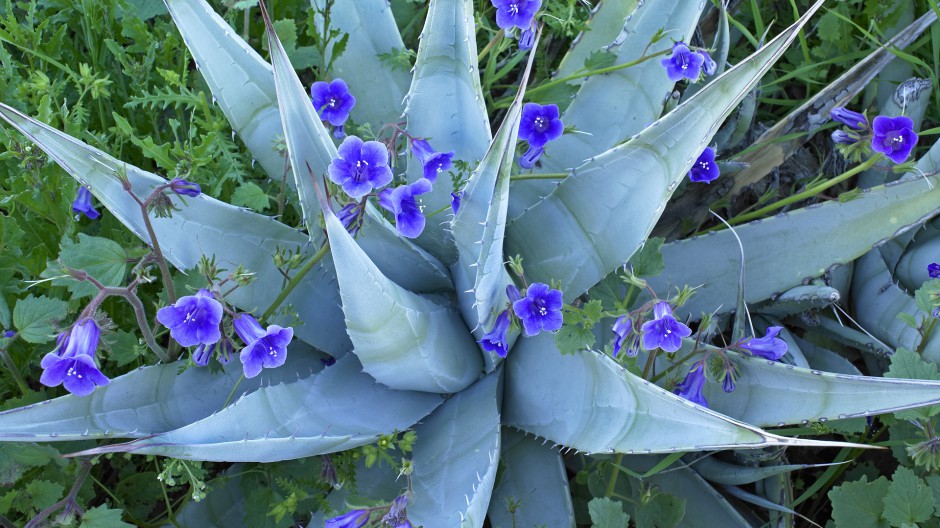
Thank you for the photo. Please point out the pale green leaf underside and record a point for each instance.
(404, 341)
(593, 232)
(532, 474)
(455, 459)
(240, 80)
(337, 409)
(378, 88)
(146, 401)
(587, 402)
(445, 103)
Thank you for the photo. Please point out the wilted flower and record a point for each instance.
(622, 328)
(846, 138)
(497, 340)
(397, 516)
(263, 348)
(203, 354)
(333, 102)
(185, 188)
(704, 169)
(682, 63)
(708, 64)
(455, 201)
(401, 201)
(351, 519)
(770, 346)
(194, 319)
(849, 118)
(691, 387)
(434, 162)
(664, 331)
(894, 137)
(72, 364)
(349, 216)
(360, 167)
(540, 309)
(82, 204)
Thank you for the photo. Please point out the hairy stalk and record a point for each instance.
(295, 280)
(68, 503)
(154, 243)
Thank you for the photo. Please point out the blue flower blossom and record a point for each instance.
(516, 13)
(194, 319)
(397, 516)
(683, 63)
(350, 519)
(537, 126)
(849, 118)
(185, 188)
(82, 204)
(727, 384)
(540, 309)
(528, 159)
(704, 169)
(351, 217)
(263, 348)
(513, 293)
(401, 201)
(770, 346)
(933, 270)
(894, 137)
(664, 331)
(360, 167)
(72, 363)
(527, 38)
(455, 201)
(333, 102)
(434, 162)
(622, 328)
(497, 339)
(691, 387)
(203, 354)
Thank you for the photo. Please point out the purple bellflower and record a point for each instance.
(540, 309)
(455, 201)
(537, 126)
(727, 384)
(360, 167)
(516, 13)
(849, 118)
(683, 63)
(351, 217)
(263, 348)
(664, 331)
(185, 188)
(350, 519)
(72, 364)
(770, 346)
(704, 169)
(333, 102)
(709, 66)
(513, 293)
(434, 162)
(894, 137)
(691, 387)
(526, 38)
(82, 204)
(203, 354)
(933, 270)
(401, 201)
(497, 339)
(622, 328)
(194, 319)
(397, 516)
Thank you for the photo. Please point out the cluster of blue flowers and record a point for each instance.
(892, 136)
(684, 63)
(540, 309)
(72, 363)
(397, 516)
(520, 14)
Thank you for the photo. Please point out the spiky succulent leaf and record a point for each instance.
(595, 405)
(293, 420)
(533, 476)
(404, 341)
(605, 25)
(455, 458)
(378, 86)
(445, 103)
(800, 299)
(720, 472)
(594, 232)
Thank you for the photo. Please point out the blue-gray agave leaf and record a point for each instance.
(607, 21)
(595, 405)
(143, 402)
(294, 420)
(405, 341)
(533, 475)
(800, 298)
(224, 506)
(445, 103)
(379, 88)
(455, 458)
(826, 360)
(204, 226)
(721, 472)
(592, 232)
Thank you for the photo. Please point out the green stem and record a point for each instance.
(229, 399)
(13, 370)
(491, 44)
(615, 472)
(295, 280)
(542, 176)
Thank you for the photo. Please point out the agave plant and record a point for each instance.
(404, 319)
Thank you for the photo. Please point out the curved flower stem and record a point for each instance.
(808, 193)
(161, 262)
(69, 501)
(491, 44)
(543, 176)
(295, 280)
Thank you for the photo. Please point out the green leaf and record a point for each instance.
(908, 364)
(572, 338)
(607, 513)
(250, 195)
(648, 261)
(286, 30)
(909, 499)
(598, 59)
(101, 258)
(103, 517)
(859, 504)
(44, 493)
(15, 459)
(662, 511)
(36, 319)
(928, 295)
